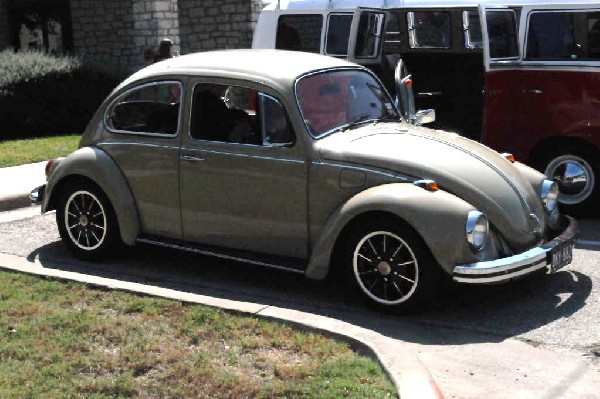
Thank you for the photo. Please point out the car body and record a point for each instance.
(301, 162)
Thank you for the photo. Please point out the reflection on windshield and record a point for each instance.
(338, 99)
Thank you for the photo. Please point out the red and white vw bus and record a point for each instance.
(523, 78)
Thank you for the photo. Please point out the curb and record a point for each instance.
(407, 372)
(14, 201)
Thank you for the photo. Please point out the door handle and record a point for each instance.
(191, 158)
(532, 91)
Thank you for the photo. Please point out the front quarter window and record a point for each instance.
(334, 99)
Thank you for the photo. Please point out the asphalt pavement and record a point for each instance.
(532, 339)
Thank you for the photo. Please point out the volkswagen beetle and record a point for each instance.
(300, 162)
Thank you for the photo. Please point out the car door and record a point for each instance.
(501, 55)
(243, 174)
(366, 36)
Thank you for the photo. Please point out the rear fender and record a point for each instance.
(95, 165)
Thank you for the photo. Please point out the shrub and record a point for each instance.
(42, 94)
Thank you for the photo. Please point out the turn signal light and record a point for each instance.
(509, 156)
(428, 185)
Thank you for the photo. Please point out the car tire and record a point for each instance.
(563, 165)
(388, 263)
(86, 222)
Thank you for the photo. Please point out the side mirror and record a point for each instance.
(405, 99)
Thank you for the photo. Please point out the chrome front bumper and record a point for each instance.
(499, 270)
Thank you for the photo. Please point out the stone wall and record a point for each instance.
(5, 41)
(217, 24)
(112, 35)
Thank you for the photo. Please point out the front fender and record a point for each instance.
(95, 165)
(438, 217)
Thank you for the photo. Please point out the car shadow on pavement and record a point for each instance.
(461, 315)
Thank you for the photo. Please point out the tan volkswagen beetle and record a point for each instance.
(300, 162)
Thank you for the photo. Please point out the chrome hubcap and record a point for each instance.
(574, 176)
(385, 267)
(85, 220)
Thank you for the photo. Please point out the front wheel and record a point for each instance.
(391, 267)
(86, 221)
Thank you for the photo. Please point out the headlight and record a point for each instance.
(549, 194)
(477, 230)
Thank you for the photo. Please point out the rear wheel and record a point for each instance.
(86, 221)
(390, 266)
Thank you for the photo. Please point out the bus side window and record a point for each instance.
(299, 32)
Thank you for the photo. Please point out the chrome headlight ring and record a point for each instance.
(549, 195)
(477, 230)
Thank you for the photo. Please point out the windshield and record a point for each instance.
(337, 99)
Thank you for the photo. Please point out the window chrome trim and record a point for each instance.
(467, 31)
(115, 101)
(242, 155)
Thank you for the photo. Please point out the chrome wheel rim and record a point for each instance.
(385, 268)
(85, 220)
(574, 176)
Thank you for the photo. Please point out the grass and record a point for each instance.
(62, 339)
(19, 152)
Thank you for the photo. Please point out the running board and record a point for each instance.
(293, 265)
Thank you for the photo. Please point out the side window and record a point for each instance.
(550, 36)
(299, 32)
(472, 29)
(429, 29)
(152, 109)
(502, 32)
(236, 114)
(338, 33)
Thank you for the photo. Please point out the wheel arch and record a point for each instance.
(438, 218)
(95, 166)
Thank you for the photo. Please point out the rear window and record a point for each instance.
(299, 33)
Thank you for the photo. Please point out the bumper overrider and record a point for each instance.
(551, 255)
(37, 194)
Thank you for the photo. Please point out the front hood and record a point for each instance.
(460, 166)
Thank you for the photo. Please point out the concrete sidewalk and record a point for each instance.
(16, 182)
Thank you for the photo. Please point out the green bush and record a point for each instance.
(43, 95)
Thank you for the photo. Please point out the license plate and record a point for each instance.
(561, 255)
